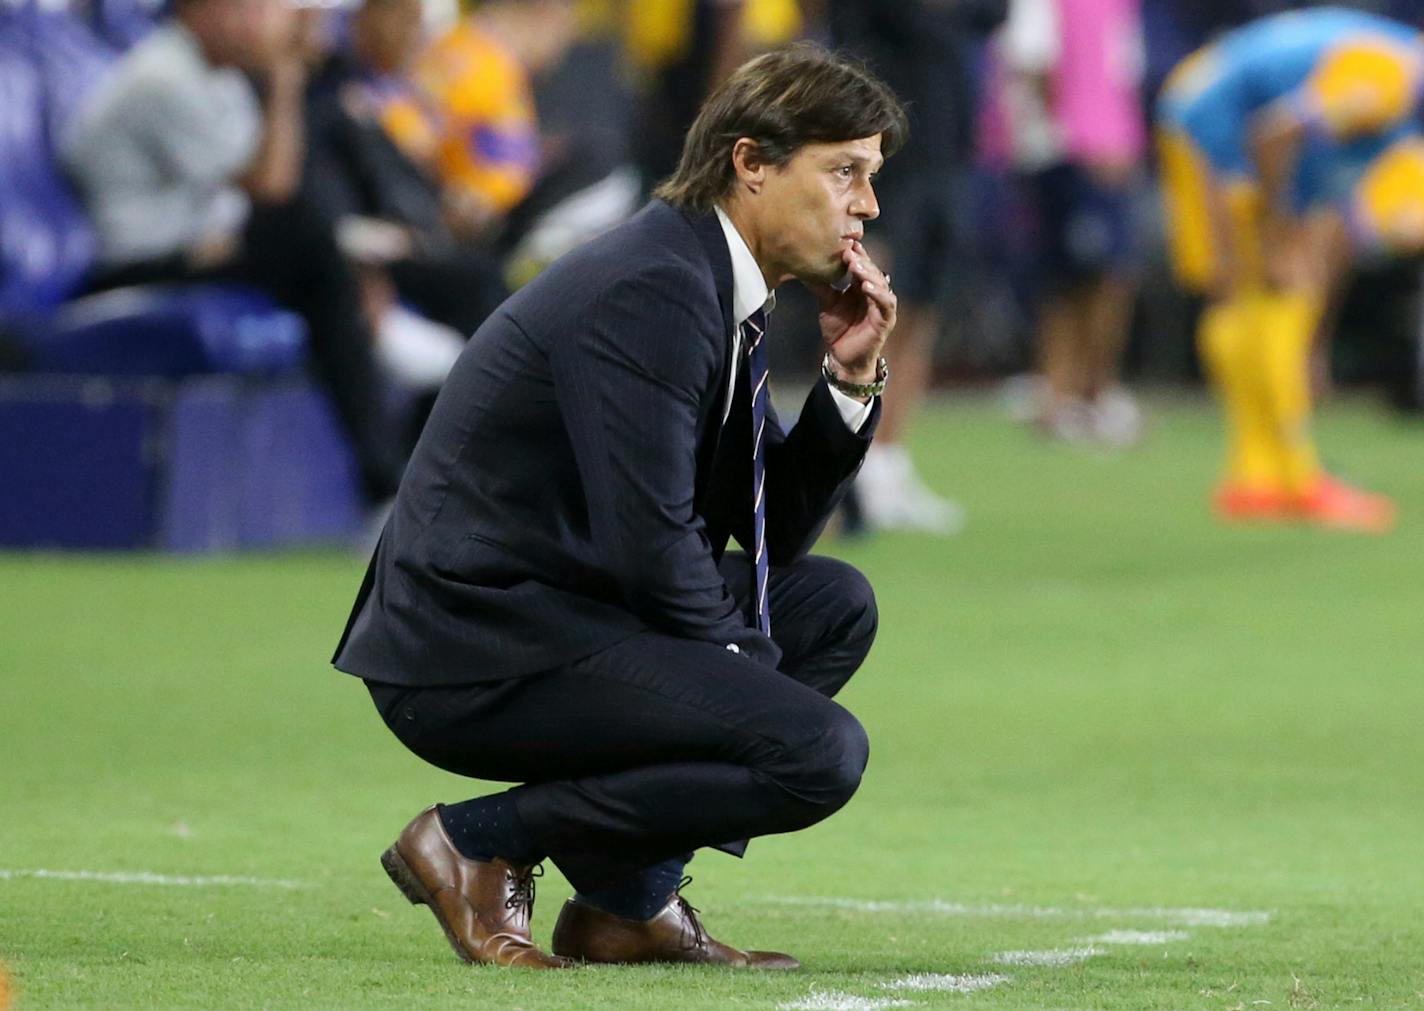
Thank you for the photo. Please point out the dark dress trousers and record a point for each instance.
(550, 603)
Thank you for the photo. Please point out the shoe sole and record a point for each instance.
(411, 887)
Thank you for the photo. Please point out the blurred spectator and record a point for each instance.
(682, 49)
(921, 48)
(391, 211)
(473, 119)
(189, 175)
(585, 101)
(1283, 145)
(1070, 121)
(484, 139)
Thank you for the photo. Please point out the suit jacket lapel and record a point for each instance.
(714, 244)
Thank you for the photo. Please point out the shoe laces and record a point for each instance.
(522, 895)
(689, 916)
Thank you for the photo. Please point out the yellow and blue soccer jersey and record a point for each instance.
(1349, 76)
(490, 132)
(1385, 206)
(1328, 171)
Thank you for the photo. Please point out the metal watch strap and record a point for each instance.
(882, 373)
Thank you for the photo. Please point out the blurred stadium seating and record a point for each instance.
(202, 435)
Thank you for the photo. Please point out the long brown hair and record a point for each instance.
(783, 100)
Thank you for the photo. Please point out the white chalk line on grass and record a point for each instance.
(835, 1000)
(919, 982)
(1139, 937)
(1090, 948)
(1188, 917)
(945, 983)
(1051, 957)
(925, 982)
(148, 878)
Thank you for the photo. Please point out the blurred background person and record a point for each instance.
(925, 50)
(428, 150)
(1066, 113)
(679, 51)
(484, 137)
(533, 194)
(391, 212)
(1278, 142)
(190, 173)
(391, 208)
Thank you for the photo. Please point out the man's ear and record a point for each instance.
(749, 164)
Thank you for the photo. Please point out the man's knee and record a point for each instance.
(863, 617)
(829, 760)
(847, 757)
(843, 601)
(851, 613)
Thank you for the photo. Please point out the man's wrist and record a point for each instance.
(859, 384)
(858, 373)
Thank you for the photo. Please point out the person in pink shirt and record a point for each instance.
(1067, 115)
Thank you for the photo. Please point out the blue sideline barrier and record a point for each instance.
(201, 464)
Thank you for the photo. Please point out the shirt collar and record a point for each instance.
(749, 290)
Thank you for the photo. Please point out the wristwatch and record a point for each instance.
(882, 373)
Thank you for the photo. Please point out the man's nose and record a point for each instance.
(865, 206)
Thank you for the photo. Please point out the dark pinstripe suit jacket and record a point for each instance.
(575, 482)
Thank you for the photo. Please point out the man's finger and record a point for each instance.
(880, 295)
(860, 250)
(864, 272)
(866, 268)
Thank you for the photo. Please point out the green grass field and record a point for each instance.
(1092, 712)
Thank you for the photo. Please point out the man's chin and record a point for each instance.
(836, 274)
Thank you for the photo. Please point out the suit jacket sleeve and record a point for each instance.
(808, 471)
(632, 384)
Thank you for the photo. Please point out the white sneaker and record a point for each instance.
(1068, 421)
(1022, 395)
(892, 496)
(1117, 419)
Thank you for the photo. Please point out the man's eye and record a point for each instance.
(844, 171)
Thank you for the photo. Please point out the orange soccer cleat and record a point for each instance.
(1242, 503)
(1336, 505)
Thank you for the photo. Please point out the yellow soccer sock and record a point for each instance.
(1286, 324)
(1230, 344)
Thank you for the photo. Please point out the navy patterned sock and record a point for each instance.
(641, 895)
(489, 827)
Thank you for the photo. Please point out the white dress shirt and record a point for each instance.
(750, 293)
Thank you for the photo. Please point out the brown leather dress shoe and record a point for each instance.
(589, 934)
(483, 907)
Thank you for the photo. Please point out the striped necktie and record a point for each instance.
(753, 331)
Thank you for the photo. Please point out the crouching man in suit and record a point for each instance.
(551, 603)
